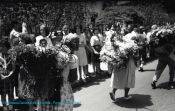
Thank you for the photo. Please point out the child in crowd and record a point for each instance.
(43, 43)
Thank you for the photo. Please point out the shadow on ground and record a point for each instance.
(138, 101)
(164, 85)
(150, 60)
(92, 81)
(96, 81)
(77, 105)
(149, 70)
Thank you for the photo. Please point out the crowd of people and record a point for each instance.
(85, 45)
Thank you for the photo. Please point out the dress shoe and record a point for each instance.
(141, 69)
(112, 96)
(170, 85)
(127, 98)
(153, 84)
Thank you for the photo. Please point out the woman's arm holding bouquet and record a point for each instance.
(4, 77)
(13, 72)
(95, 51)
(3, 62)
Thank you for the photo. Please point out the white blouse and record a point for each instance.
(96, 40)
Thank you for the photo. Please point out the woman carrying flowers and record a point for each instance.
(67, 99)
(123, 77)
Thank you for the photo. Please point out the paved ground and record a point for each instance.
(95, 96)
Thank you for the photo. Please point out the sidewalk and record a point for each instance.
(94, 96)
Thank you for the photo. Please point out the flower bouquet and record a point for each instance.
(163, 35)
(39, 70)
(160, 38)
(129, 49)
(118, 53)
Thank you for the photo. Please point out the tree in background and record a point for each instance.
(53, 14)
(120, 14)
(56, 14)
(143, 14)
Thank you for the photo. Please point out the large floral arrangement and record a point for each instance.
(118, 53)
(163, 35)
(40, 70)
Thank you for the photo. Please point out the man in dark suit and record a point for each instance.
(164, 60)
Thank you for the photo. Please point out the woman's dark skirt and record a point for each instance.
(6, 86)
(96, 57)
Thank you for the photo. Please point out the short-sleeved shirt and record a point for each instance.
(74, 61)
(148, 36)
(96, 40)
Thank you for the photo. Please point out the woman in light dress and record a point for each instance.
(89, 50)
(82, 56)
(123, 79)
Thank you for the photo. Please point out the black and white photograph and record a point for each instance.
(87, 55)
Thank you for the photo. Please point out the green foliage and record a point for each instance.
(73, 14)
(121, 13)
(54, 14)
(139, 14)
(153, 14)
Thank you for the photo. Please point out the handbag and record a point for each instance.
(104, 66)
(90, 68)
